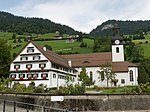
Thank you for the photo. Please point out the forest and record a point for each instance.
(20, 25)
(126, 27)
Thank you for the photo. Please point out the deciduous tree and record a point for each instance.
(106, 73)
(5, 58)
(134, 52)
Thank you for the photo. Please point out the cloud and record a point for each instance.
(83, 15)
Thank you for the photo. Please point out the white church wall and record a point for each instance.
(117, 57)
(96, 76)
(119, 76)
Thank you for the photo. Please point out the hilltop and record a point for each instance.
(126, 27)
(20, 25)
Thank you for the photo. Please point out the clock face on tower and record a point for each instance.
(117, 42)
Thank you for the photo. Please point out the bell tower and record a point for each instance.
(117, 45)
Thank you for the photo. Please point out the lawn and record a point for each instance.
(5, 35)
(62, 46)
(146, 48)
(113, 90)
(57, 46)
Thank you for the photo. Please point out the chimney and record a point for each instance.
(69, 63)
(44, 48)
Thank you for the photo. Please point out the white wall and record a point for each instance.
(119, 76)
(116, 57)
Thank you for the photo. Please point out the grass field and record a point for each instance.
(145, 46)
(63, 47)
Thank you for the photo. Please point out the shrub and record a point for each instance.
(17, 87)
(71, 89)
(146, 42)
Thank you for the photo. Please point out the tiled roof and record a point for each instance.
(97, 59)
(89, 59)
(53, 57)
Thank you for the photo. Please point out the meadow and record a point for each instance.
(60, 46)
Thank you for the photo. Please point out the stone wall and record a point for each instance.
(87, 102)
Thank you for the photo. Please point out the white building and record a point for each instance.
(40, 65)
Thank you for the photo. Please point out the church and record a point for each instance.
(42, 66)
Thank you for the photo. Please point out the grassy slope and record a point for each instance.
(146, 47)
(57, 45)
(61, 46)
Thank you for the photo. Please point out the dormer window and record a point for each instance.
(30, 49)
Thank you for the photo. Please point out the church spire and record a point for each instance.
(117, 45)
(116, 39)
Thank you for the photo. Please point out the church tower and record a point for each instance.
(117, 45)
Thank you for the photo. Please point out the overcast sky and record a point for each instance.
(82, 15)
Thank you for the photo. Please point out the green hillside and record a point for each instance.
(126, 27)
(59, 46)
(20, 25)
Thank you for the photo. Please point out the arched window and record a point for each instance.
(117, 49)
(91, 75)
(131, 75)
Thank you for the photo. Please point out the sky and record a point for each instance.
(81, 15)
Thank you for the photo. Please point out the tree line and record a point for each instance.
(20, 25)
(126, 27)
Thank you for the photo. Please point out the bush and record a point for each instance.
(71, 89)
(146, 42)
(83, 44)
(39, 89)
(17, 87)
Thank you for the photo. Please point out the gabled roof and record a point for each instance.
(97, 59)
(51, 56)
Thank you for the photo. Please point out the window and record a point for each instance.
(54, 75)
(122, 81)
(102, 76)
(21, 75)
(61, 77)
(30, 49)
(29, 76)
(29, 66)
(23, 58)
(16, 67)
(44, 75)
(35, 76)
(131, 75)
(42, 65)
(91, 75)
(117, 49)
(13, 76)
(36, 57)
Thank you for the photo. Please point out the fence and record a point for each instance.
(15, 106)
(31, 102)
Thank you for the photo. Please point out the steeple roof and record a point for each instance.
(116, 34)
